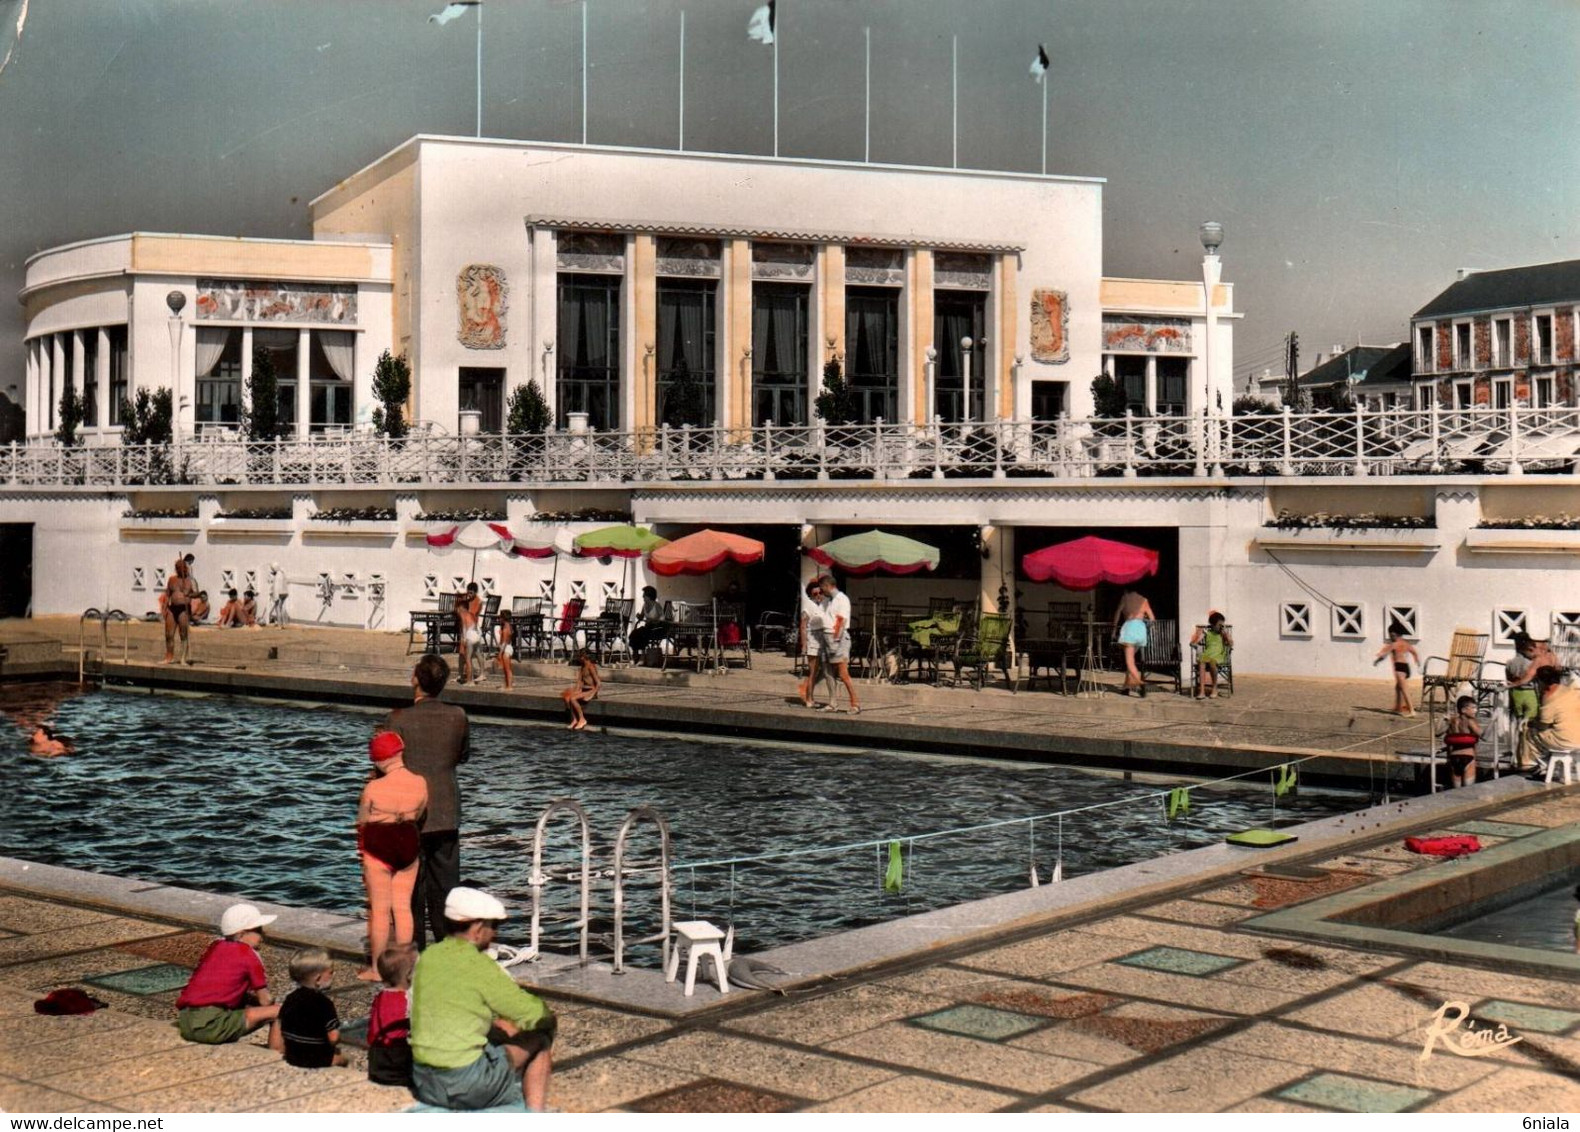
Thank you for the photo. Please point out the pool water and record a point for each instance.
(259, 799)
(1545, 921)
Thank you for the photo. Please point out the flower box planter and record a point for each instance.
(1397, 540)
(251, 530)
(1521, 540)
(381, 531)
(160, 529)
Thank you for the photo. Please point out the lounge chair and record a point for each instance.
(1463, 664)
(1225, 667)
(1161, 653)
(980, 650)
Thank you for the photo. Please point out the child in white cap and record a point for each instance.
(460, 999)
(213, 1008)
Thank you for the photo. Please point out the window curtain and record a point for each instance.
(669, 348)
(789, 336)
(870, 319)
(211, 345)
(595, 325)
(765, 309)
(692, 343)
(954, 323)
(572, 346)
(272, 339)
(340, 349)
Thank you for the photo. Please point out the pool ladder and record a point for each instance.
(539, 879)
(104, 619)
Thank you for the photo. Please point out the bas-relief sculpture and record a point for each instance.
(1154, 335)
(1050, 326)
(245, 300)
(482, 298)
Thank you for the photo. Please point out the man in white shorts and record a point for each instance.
(814, 628)
(837, 614)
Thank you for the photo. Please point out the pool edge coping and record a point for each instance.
(931, 936)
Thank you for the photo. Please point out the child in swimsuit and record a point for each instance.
(389, 837)
(1403, 652)
(583, 691)
(389, 1021)
(1215, 643)
(507, 647)
(1460, 741)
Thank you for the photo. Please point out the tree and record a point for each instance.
(1332, 399)
(391, 388)
(527, 412)
(73, 410)
(262, 419)
(1248, 405)
(1108, 397)
(149, 419)
(836, 404)
(682, 397)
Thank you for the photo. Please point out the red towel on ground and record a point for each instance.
(1454, 846)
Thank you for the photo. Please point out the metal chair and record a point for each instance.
(980, 650)
(1225, 667)
(614, 629)
(1466, 657)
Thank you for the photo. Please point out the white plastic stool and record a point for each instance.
(1565, 757)
(699, 938)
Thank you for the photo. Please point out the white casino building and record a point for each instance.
(676, 312)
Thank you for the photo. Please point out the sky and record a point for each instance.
(1357, 152)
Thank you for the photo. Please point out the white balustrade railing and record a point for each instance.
(1393, 442)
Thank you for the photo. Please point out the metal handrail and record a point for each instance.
(538, 879)
(641, 813)
(104, 620)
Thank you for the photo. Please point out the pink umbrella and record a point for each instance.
(1083, 563)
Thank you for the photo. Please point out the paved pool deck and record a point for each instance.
(1157, 997)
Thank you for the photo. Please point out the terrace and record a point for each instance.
(1401, 442)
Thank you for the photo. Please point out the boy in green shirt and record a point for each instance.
(476, 1037)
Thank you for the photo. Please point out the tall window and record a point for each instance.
(1462, 358)
(1425, 350)
(331, 368)
(482, 389)
(958, 315)
(1502, 393)
(686, 371)
(1130, 371)
(90, 377)
(1502, 342)
(218, 376)
(589, 349)
(1173, 376)
(779, 353)
(118, 371)
(872, 351)
(1542, 340)
(281, 346)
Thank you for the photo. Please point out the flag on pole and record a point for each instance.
(1039, 65)
(451, 11)
(761, 27)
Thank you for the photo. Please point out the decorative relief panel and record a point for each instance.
(1154, 335)
(882, 267)
(783, 261)
(962, 271)
(698, 259)
(589, 251)
(1050, 326)
(481, 298)
(239, 300)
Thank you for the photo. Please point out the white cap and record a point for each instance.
(241, 918)
(472, 904)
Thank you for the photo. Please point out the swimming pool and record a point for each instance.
(256, 798)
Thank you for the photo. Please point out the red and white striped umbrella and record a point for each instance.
(476, 536)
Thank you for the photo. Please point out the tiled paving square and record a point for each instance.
(1524, 1016)
(1043, 1000)
(21, 1096)
(1515, 1091)
(81, 937)
(610, 1082)
(985, 1063)
(144, 980)
(836, 1015)
(185, 948)
(714, 1096)
(154, 1061)
(1204, 1079)
(25, 915)
(257, 1087)
(1354, 1094)
(1178, 961)
(1272, 892)
(1185, 990)
(1198, 912)
(1192, 937)
(979, 1022)
(759, 1065)
(1374, 1011)
(1449, 981)
(916, 1094)
(596, 1029)
(355, 1096)
(1399, 1062)
(945, 980)
(1048, 955)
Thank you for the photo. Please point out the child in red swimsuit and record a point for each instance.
(388, 837)
(1460, 741)
(389, 1023)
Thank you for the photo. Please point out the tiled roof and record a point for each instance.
(1375, 365)
(1533, 286)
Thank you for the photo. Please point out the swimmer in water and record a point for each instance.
(46, 744)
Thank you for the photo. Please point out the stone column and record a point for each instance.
(643, 384)
(246, 370)
(998, 567)
(736, 410)
(101, 378)
(919, 285)
(30, 392)
(1004, 348)
(304, 393)
(831, 337)
(57, 377)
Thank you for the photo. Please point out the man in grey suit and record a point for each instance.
(437, 738)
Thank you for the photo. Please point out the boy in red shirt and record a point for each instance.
(213, 1007)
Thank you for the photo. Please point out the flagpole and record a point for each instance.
(479, 96)
(866, 148)
(776, 88)
(1044, 85)
(584, 72)
(682, 80)
(954, 111)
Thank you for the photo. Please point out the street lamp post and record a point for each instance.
(965, 370)
(1211, 272)
(176, 301)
